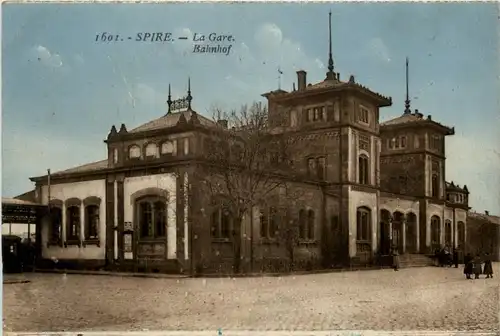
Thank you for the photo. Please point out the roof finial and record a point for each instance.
(330, 74)
(169, 101)
(407, 101)
(189, 97)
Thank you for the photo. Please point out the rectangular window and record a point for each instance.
(403, 142)
(309, 115)
(363, 115)
(73, 215)
(92, 222)
(316, 114)
(323, 113)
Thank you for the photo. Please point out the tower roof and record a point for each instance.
(416, 119)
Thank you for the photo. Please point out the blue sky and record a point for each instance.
(62, 91)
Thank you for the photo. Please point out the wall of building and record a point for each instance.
(63, 192)
(362, 199)
(132, 189)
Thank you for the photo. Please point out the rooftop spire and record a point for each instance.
(330, 74)
(407, 101)
(169, 101)
(189, 97)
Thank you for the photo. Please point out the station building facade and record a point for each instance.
(367, 187)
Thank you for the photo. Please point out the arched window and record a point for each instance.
(461, 234)
(435, 230)
(151, 150)
(221, 223)
(73, 222)
(269, 223)
(447, 232)
(363, 223)
(264, 224)
(160, 218)
(302, 224)
(152, 217)
(168, 148)
(134, 152)
(55, 225)
(310, 224)
(91, 222)
(435, 186)
(363, 169)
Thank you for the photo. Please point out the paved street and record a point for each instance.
(411, 299)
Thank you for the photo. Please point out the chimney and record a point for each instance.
(301, 78)
(487, 212)
(222, 122)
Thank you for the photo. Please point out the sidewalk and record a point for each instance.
(14, 279)
(210, 275)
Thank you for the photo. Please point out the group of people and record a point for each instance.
(472, 265)
(475, 266)
(445, 258)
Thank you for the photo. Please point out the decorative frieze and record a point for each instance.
(318, 136)
(364, 142)
(397, 159)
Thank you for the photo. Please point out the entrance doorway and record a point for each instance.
(397, 231)
(385, 237)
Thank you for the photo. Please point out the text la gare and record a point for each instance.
(212, 37)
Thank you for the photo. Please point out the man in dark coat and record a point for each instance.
(395, 258)
(488, 268)
(477, 263)
(455, 257)
(468, 265)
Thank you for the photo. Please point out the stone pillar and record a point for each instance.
(390, 231)
(403, 233)
(417, 235)
(82, 223)
(63, 225)
(427, 234)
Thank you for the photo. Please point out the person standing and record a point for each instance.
(477, 266)
(395, 259)
(468, 266)
(488, 268)
(455, 257)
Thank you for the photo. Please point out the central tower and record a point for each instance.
(337, 124)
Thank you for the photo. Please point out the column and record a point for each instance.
(427, 234)
(417, 234)
(403, 233)
(82, 223)
(63, 225)
(390, 231)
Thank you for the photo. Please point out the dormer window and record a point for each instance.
(115, 155)
(134, 152)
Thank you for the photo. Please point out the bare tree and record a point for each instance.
(246, 162)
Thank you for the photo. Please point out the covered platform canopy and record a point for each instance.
(18, 211)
